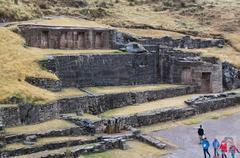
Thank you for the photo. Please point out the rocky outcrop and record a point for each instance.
(208, 103)
(151, 140)
(231, 76)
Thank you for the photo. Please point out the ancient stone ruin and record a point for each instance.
(58, 37)
(162, 63)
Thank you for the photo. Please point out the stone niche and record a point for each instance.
(55, 37)
(187, 68)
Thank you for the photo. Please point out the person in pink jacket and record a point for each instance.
(233, 150)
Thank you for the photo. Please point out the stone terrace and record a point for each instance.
(116, 92)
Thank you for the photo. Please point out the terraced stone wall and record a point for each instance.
(105, 69)
(29, 114)
(101, 103)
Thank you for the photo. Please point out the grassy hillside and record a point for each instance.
(205, 18)
(16, 63)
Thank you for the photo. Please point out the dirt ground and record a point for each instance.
(186, 138)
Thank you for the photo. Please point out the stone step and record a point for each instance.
(151, 141)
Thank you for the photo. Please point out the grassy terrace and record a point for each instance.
(69, 92)
(136, 150)
(65, 21)
(75, 52)
(149, 106)
(57, 151)
(43, 141)
(224, 54)
(7, 105)
(41, 127)
(151, 33)
(85, 116)
(134, 88)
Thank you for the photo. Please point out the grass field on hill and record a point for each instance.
(169, 17)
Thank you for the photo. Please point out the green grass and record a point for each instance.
(69, 92)
(224, 54)
(8, 105)
(41, 127)
(48, 140)
(135, 88)
(73, 52)
(136, 150)
(85, 116)
(149, 106)
(14, 146)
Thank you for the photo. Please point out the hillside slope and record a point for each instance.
(204, 18)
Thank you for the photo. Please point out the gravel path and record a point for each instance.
(186, 138)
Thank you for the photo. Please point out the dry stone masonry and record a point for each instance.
(158, 63)
(57, 37)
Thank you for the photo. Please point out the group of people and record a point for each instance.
(219, 148)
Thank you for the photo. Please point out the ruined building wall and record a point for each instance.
(58, 37)
(105, 69)
(165, 66)
(179, 67)
(183, 42)
(67, 37)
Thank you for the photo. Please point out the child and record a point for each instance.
(205, 146)
(216, 145)
(233, 149)
(223, 148)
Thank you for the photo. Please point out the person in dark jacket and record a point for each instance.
(200, 133)
(205, 146)
(216, 146)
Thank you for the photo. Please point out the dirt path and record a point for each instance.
(185, 137)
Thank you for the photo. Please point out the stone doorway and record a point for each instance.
(81, 40)
(44, 39)
(206, 82)
(98, 40)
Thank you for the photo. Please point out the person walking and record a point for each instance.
(216, 146)
(223, 148)
(205, 146)
(233, 150)
(200, 134)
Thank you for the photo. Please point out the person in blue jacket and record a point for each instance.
(205, 146)
(216, 146)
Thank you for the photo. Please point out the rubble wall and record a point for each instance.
(184, 42)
